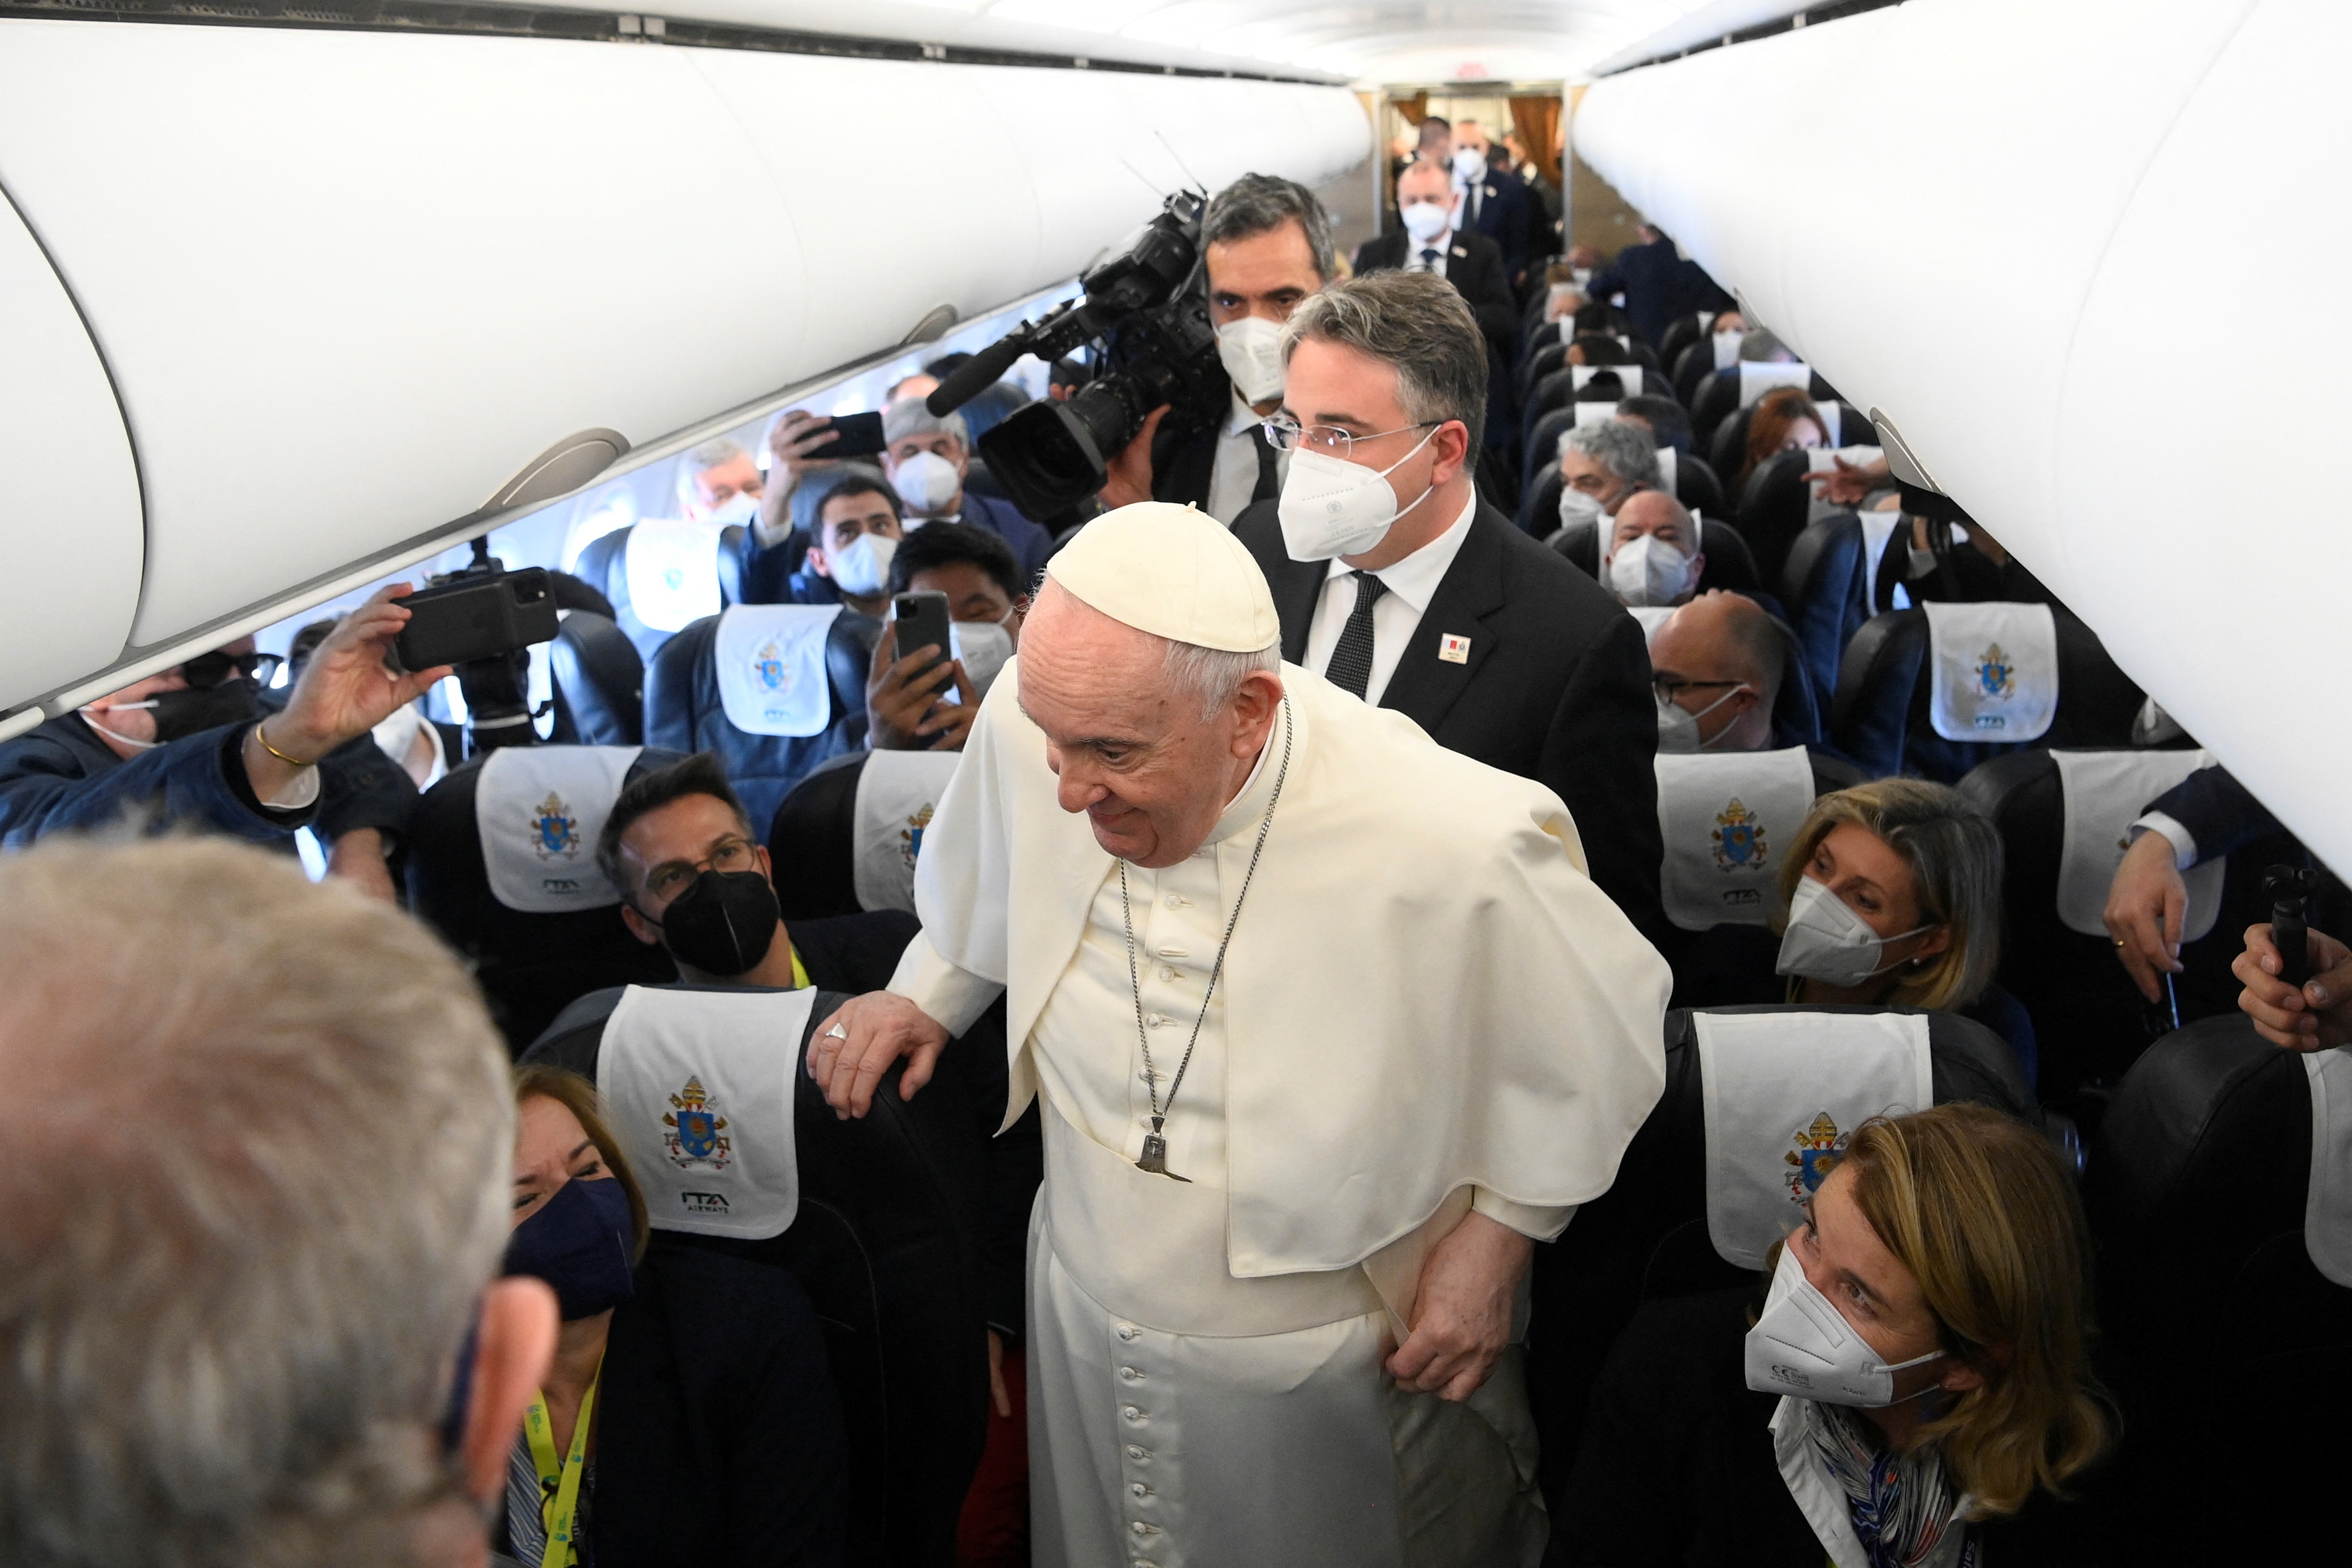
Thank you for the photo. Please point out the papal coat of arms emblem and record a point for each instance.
(674, 578)
(910, 837)
(1996, 677)
(553, 829)
(1813, 1154)
(768, 665)
(1739, 835)
(698, 1133)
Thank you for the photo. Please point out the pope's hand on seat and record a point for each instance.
(1462, 1314)
(876, 1029)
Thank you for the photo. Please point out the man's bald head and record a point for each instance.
(1656, 512)
(1721, 637)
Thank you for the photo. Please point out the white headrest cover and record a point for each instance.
(673, 572)
(1756, 380)
(771, 664)
(896, 793)
(2328, 1203)
(1725, 818)
(1821, 459)
(700, 1087)
(1726, 349)
(1666, 474)
(1782, 1092)
(539, 810)
(1993, 670)
(1593, 413)
(1651, 616)
(2106, 792)
(1629, 376)
(1877, 528)
(1832, 419)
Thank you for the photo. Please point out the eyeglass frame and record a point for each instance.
(1665, 686)
(1278, 429)
(695, 868)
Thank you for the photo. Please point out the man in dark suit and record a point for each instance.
(1407, 590)
(1430, 241)
(1496, 202)
(1659, 283)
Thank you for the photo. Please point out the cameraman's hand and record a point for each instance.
(903, 710)
(1130, 472)
(2311, 1019)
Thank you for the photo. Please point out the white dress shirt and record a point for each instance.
(1416, 253)
(1411, 583)
(1233, 478)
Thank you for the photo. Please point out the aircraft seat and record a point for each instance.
(1681, 333)
(1717, 398)
(1776, 506)
(687, 711)
(1690, 1211)
(599, 681)
(1541, 360)
(2230, 1345)
(1728, 564)
(1881, 714)
(846, 840)
(1826, 587)
(2063, 817)
(604, 565)
(540, 926)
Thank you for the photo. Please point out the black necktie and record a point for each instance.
(1351, 661)
(1269, 480)
(1429, 259)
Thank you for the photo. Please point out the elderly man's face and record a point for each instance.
(1669, 523)
(717, 487)
(1580, 471)
(938, 442)
(1134, 753)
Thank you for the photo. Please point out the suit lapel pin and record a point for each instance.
(1460, 250)
(1453, 648)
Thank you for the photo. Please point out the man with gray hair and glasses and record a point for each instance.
(251, 1214)
(1398, 584)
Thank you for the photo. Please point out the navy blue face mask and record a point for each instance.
(579, 1243)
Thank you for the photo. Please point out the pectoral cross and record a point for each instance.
(1155, 1155)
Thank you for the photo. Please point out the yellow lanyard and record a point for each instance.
(558, 1483)
(800, 976)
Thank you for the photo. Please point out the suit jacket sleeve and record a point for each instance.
(46, 786)
(2219, 812)
(1599, 759)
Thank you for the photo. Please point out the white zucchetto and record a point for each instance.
(1175, 571)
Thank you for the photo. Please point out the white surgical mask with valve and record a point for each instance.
(862, 566)
(1330, 506)
(1802, 1346)
(1678, 726)
(1250, 351)
(925, 481)
(1427, 220)
(1827, 941)
(1649, 570)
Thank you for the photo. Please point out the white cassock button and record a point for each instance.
(1176, 904)
(1156, 1020)
(1167, 975)
(1129, 1374)
(1132, 1414)
(1127, 1330)
(1138, 1454)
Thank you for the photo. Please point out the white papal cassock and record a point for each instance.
(1426, 1005)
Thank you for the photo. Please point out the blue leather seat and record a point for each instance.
(599, 680)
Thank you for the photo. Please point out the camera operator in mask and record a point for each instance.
(928, 457)
(195, 746)
(1265, 244)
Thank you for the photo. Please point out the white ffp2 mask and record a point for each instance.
(1826, 940)
(985, 648)
(1250, 351)
(1802, 1345)
(1678, 726)
(1330, 506)
(738, 508)
(1649, 570)
(1427, 220)
(862, 566)
(1576, 507)
(925, 481)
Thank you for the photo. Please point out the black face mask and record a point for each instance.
(179, 714)
(724, 923)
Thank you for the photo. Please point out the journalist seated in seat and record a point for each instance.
(1600, 466)
(1893, 894)
(695, 877)
(1651, 553)
(1785, 421)
(987, 597)
(1667, 421)
(859, 529)
(1904, 1384)
(1717, 665)
(688, 1399)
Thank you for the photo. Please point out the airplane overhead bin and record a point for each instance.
(2022, 233)
(347, 283)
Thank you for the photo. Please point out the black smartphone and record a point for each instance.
(476, 616)
(922, 618)
(854, 436)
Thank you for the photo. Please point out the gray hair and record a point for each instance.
(909, 416)
(1212, 676)
(245, 1235)
(1626, 450)
(1414, 322)
(1260, 203)
(701, 460)
(1759, 346)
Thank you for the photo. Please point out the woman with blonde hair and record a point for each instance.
(1912, 1391)
(1890, 894)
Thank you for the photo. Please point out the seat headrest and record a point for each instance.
(1992, 670)
(1593, 413)
(700, 1086)
(2328, 1206)
(1782, 1092)
(769, 662)
(539, 811)
(1724, 817)
(1756, 380)
(898, 792)
(2104, 793)
(1668, 471)
(672, 569)
(1821, 459)
(1629, 376)
(1651, 616)
(601, 678)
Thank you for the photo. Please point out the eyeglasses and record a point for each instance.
(1289, 436)
(1669, 687)
(668, 880)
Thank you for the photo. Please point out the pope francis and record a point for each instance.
(1329, 1021)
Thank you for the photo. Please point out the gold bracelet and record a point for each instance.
(294, 762)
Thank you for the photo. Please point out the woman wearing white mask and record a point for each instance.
(1893, 897)
(1936, 1301)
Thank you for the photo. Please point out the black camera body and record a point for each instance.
(482, 620)
(1155, 346)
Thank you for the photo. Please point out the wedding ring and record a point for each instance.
(838, 1033)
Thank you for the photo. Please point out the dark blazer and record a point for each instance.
(718, 1432)
(1658, 286)
(1031, 544)
(1473, 265)
(1508, 214)
(1556, 688)
(2219, 812)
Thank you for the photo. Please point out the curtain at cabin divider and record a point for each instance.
(1537, 120)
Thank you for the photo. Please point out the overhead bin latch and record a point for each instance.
(933, 325)
(566, 465)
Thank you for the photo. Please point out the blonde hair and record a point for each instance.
(578, 1096)
(1953, 854)
(1976, 1204)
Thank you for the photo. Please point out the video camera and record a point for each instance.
(1155, 346)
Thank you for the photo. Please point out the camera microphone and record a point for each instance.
(975, 376)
